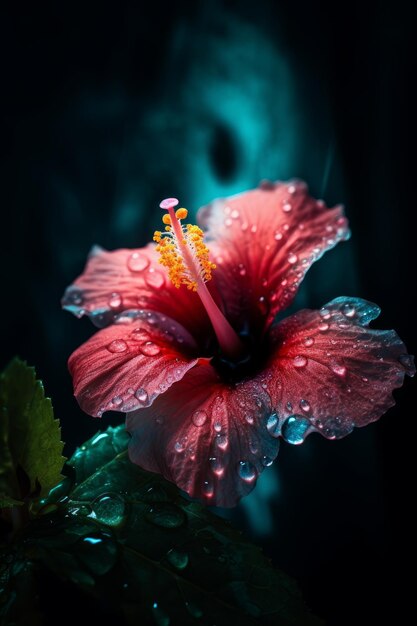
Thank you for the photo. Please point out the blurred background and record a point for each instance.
(106, 110)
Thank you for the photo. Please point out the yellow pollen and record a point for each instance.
(183, 252)
(181, 214)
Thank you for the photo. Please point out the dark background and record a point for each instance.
(108, 110)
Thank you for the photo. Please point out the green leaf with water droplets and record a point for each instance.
(30, 438)
(129, 540)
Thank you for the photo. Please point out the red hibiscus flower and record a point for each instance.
(208, 379)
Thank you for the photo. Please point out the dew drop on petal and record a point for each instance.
(222, 441)
(300, 361)
(242, 270)
(294, 429)
(266, 461)
(308, 341)
(149, 348)
(217, 466)
(117, 401)
(139, 334)
(247, 471)
(278, 236)
(154, 279)
(208, 489)
(118, 345)
(325, 314)
(272, 425)
(199, 418)
(364, 379)
(142, 395)
(340, 370)
(323, 326)
(348, 310)
(305, 405)
(286, 207)
(292, 258)
(137, 262)
(234, 214)
(115, 300)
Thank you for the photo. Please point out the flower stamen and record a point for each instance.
(187, 258)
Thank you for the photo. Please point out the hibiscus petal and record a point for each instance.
(124, 279)
(211, 439)
(263, 242)
(329, 372)
(128, 364)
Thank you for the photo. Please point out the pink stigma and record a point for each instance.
(169, 203)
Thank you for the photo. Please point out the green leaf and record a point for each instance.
(30, 438)
(131, 541)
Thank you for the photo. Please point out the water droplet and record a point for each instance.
(242, 270)
(340, 370)
(208, 489)
(249, 418)
(115, 300)
(278, 235)
(286, 207)
(137, 262)
(199, 418)
(139, 334)
(159, 616)
(323, 326)
(118, 345)
(289, 406)
(292, 258)
(272, 425)
(149, 348)
(166, 515)
(109, 509)
(284, 282)
(181, 444)
(154, 279)
(222, 441)
(348, 310)
(234, 214)
(253, 228)
(244, 226)
(294, 429)
(308, 341)
(364, 379)
(216, 466)
(117, 401)
(74, 296)
(325, 313)
(247, 471)
(228, 221)
(263, 305)
(142, 395)
(300, 361)
(266, 461)
(291, 189)
(177, 558)
(305, 405)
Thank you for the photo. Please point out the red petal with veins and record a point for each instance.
(331, 371)
(128, 364)
(124, 279)
(263, 242)
(209, 438)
